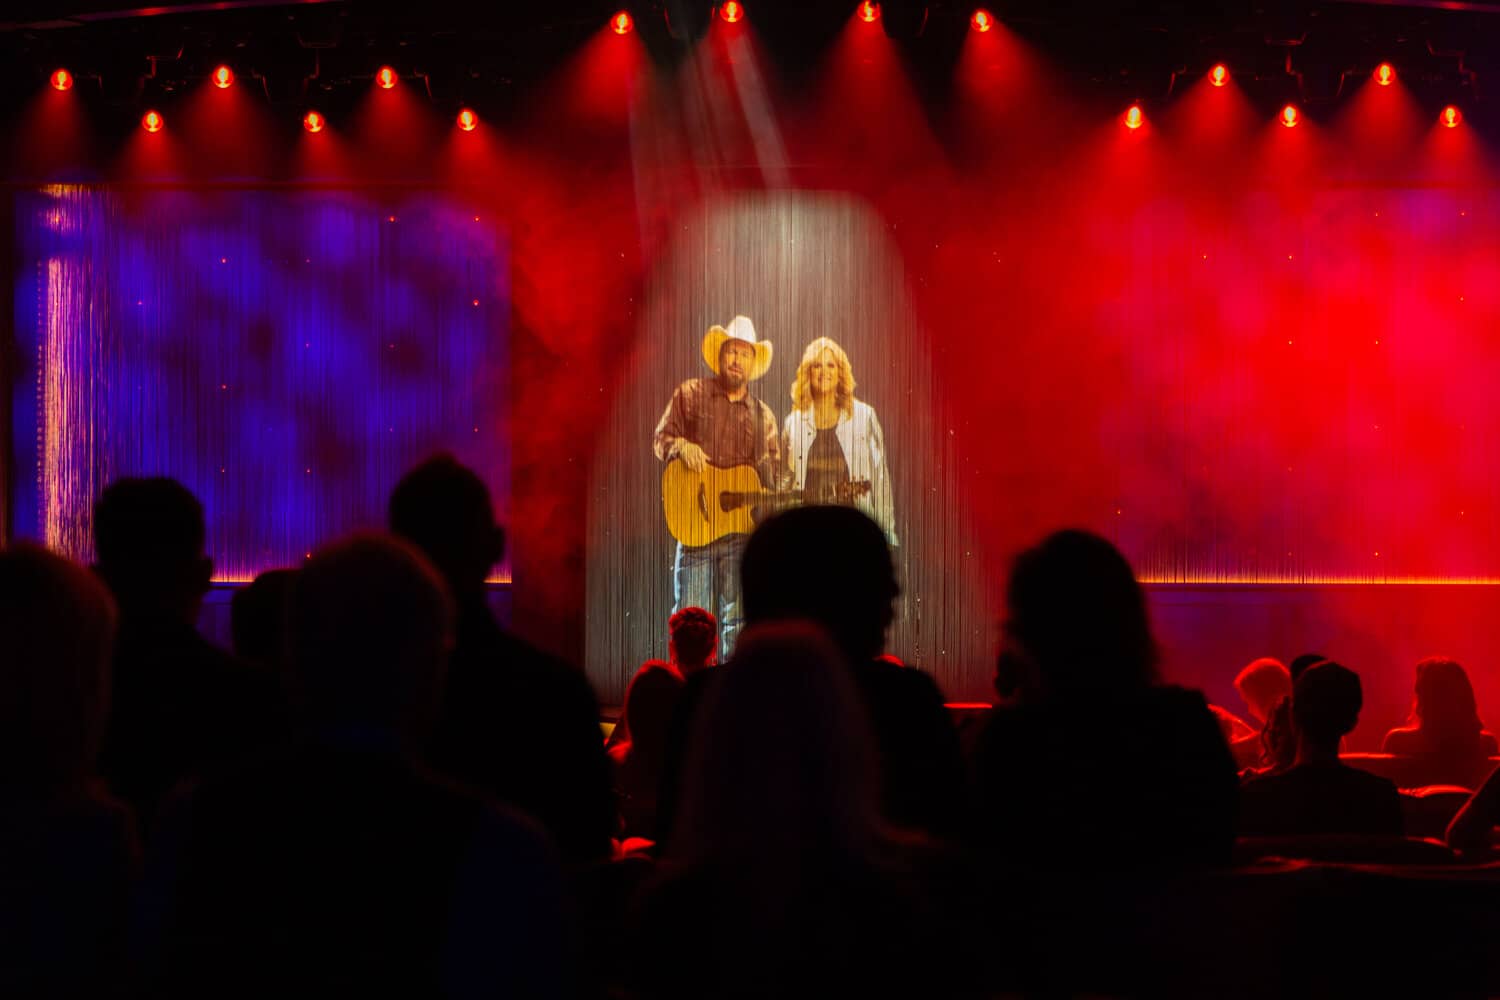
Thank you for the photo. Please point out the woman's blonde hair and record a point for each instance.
(843, 393)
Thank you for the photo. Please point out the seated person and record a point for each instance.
(339, 863)
(1444, 729)
(67, 850)
(781, 877)
(650, 703)
(1263, 684)
(1079, 666)
(1319, 795)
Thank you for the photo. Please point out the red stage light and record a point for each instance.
(223, 77)
(62, 80)
(1290, 116)
(869, 12)
(982, 20)
(1451, 116)
(313, 122)
(1219, 75)
(386, 78)
(468, 120)
(152, 122)
(1385, 74)
(621, 23)
(1135, 117)
(732, 12)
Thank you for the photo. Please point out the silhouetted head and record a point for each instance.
(371, 625)
(830, 565)
(57, 627)
(258, 617)
(1325, 705)
(148, 546)
(693, 638)
(650, 702)
(1076, 614)
(1304, 661)
(1444, 705)
(782, 755)
(1263, 684)
(444, 509)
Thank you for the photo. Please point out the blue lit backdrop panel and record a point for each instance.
(285, 354)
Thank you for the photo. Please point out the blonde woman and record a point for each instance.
(832, 439)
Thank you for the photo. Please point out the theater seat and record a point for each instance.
(1414, 772)
(1429, 809)
(1342, 849)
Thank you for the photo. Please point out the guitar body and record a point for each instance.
(695, 502)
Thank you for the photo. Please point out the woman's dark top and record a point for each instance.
(827, 469)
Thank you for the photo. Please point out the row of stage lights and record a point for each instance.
(733, 12)
(1290, 117)
(314, 121)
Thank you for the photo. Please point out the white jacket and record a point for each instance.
(863, 443)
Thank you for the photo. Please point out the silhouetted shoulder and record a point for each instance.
(1403, 740)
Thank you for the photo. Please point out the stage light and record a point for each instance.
(982, 20)
(732, 12)
(468, 120)
(152, 122)
(1219, 75)
(386, 78)
(1451, 116)
(869, 12)
(313, 122)
(1135, 117)
(1385, 74)
(223, 77)
(621, 23)
(1290, 116)
(62, 80)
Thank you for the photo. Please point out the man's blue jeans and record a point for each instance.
(708, 577)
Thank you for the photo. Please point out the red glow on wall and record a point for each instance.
(621, 23)
(1385, 74)
(1219, 75)
(1451, 117)
(152, 121)
(1135, 117)
(982, 20)
(468, 120)
(62, 80)
(223, 77)
(313, 121)
(869, 12)
(1290, 116)
(386, 78)
(732, 12)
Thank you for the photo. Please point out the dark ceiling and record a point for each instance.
(125, 53)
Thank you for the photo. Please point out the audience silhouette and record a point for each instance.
(337, 865)
(67, 851)
(1264, 685)
(258, 619)
(850, 591)
(1319, 795)
(1048, 789)
(1445, 731)
(781, 877)
(178, 703)
(650, 702)
(516, 722)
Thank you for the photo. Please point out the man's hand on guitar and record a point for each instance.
(692, 456)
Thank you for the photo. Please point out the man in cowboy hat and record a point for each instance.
(717, 421)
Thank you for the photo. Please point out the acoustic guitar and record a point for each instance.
(702, 507)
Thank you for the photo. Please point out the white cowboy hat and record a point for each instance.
(739, 328)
